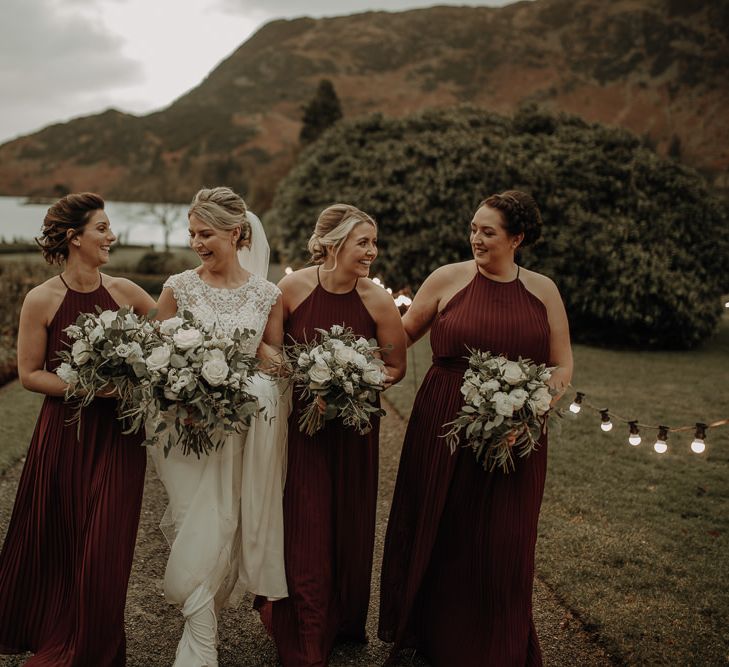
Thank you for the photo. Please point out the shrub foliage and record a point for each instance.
(637, 244)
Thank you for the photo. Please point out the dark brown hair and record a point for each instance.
(71, 212)
(519, 212)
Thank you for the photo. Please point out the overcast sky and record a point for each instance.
(60, 59)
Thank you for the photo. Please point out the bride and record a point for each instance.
(224, 521)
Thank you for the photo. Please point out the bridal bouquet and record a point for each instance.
(505, 408)
(340, 377)
(196, 381)
(107, 353)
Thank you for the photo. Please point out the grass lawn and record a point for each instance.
(18, 411)
(635, 543)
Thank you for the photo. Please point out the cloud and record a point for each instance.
(57, 58)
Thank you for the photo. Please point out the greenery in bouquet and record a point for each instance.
(106, 354)
(340, 376)
(197, 385)
(506, 404)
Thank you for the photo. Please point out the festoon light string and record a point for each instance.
(698, 445)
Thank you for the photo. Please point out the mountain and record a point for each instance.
(657, 67)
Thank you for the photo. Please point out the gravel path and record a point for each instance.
(153, 626)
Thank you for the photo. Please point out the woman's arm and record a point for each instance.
(419, 317)
(269, 351)
(390, 334)
(32, 342)
(560, 350)
(128, 293)
(166, 305)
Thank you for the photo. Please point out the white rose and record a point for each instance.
(215, 370)
(542, 400)
(303, 359)
(345, 355)
(170, 325)
(348, 388)
(171, 394)
(96, 334)
(186, 339)
(135, 353)
(123, 350)
(73, 331)
(373, 376)
(186, 376)
(107, 317)
(158, 358)
(320, 373)
(518, 397)
(81, 352)
(512, 372)
(130, 322)
(336, 330)
(502, 404)
(336, 343)
(489, 385)
(362, 344)
(67, 374)
(214, 355)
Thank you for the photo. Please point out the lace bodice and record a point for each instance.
(244, 307)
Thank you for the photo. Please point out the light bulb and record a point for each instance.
(606, 426)
(634, 439)
(576, 405)
(288, 270)
(698, 446)
(388, 290)
(660, 446)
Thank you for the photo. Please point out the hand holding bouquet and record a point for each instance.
(505, 408)
(340, 377)
(197, 383)
(107, 354)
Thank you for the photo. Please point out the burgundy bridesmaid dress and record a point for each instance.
(458, 565)
(329, 505)
(65, 564)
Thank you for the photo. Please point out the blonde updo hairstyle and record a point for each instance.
(222, 209)
(332, 229)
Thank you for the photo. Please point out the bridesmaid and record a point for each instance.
(65, 564)
(458, 566)
(331, 484)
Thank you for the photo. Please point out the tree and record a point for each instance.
(674, 148)
(636, 243)
(322, 111)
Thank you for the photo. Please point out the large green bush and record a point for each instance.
(636, 243)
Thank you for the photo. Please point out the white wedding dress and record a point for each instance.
(224, 522)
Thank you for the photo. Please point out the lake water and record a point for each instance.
(131, 222)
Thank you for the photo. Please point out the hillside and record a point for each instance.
(656, 67)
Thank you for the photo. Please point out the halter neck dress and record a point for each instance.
(67, 556)
(330, 500)
(458, 565)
